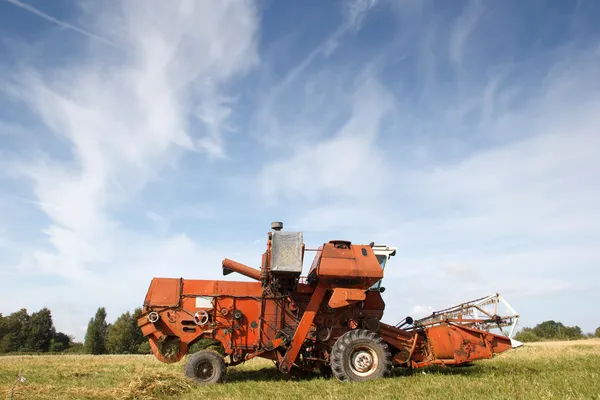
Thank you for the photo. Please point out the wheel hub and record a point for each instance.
(363, 361)
(204, 371)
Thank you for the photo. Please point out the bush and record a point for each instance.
(76, 348)
(56, 347)
(527, 337)
(550, 330)
(144, 348)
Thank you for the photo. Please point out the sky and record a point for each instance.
(156, 139)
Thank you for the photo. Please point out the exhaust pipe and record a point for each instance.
(230, 266)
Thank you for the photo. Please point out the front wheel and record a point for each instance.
(205, 367)
(360, 355)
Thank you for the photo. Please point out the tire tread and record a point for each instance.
(217, 361)
(337, 353)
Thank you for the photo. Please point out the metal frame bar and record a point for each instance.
(475, 314)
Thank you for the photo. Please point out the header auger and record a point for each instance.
(327, 321)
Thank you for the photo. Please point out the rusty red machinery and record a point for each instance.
(328, 321)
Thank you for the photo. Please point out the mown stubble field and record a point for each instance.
(559, 370)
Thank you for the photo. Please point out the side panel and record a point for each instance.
(163, 292)
(227, 288)
(462, 344)
(246, 332)
(442, 342)
(233, 329)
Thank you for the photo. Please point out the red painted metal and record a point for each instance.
(232, 266)
(301, 331)
(298, 321)
(342, 297)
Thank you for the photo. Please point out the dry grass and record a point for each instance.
(561, 344)
(561, 370)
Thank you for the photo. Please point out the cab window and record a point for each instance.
(382, 258)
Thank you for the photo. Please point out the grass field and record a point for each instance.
(559, 370)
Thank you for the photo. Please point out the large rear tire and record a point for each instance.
(360, 355)
(206, 367)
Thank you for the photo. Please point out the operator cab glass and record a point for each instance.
(382, 258)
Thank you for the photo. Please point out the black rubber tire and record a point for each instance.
(206, 367)
(371, 345)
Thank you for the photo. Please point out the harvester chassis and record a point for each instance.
(329, 321)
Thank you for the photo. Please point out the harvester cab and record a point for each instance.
(383, 253)
(329, 320)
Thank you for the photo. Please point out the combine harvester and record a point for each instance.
(329, 321)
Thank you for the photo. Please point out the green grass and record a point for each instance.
(565, 370)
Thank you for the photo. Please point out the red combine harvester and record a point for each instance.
(328, 321)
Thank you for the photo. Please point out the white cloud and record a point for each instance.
(463, 29)
(421, 311)
(356, 10)
(275, 121)
(481, 169)
(339, 163)
(124, 271)
(58, 22)
(461, 271)
(494, 189)
(123, 117)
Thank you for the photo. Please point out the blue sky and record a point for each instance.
(156, 140)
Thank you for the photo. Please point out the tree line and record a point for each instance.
(35, 333)
(553, 330)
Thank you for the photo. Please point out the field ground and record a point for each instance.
(558, 370)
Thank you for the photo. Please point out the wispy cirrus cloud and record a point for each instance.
(41, 14)
(462, 30)
(321, 167)
(273, 121)
(459, 160)
(119, 120)
(465, 136)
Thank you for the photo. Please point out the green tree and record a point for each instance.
(3, 331)
(16, 332)
(124, 336)
(60, 342)
(139, 336)
(557, 331)
(120, 338)
(3, 327)
(550, 330)
(597, 333)
(41, 331)
(572, 332)
(95, 336)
